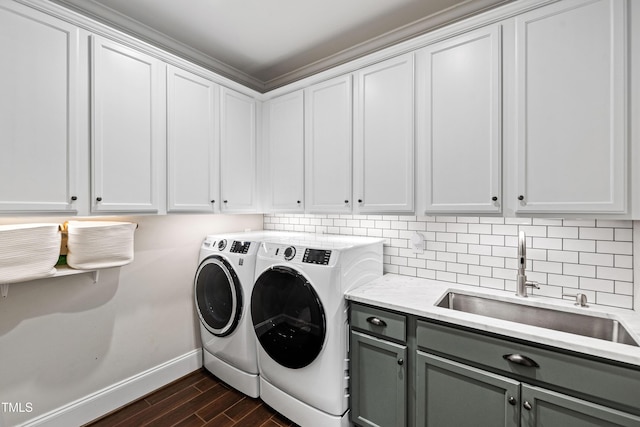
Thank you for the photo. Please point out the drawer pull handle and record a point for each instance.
(376, 322)
(512, 400)
(527, 405)
(521, 360)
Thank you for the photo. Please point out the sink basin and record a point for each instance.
(573, 323)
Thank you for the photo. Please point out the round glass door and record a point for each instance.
(288, 317)
(218, 296)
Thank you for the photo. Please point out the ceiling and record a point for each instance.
(265, 44)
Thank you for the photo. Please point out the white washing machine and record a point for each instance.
(300, 319)
(222, 292)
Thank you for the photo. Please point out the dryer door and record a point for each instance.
(288, 317)
(218, 296)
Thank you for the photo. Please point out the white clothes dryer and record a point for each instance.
(222, 292)
(300, 319)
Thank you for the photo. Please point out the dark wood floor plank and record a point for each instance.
(220, 421)
(220, 405)
(161, 408)
(240, 409)
(207, 382)
(121, 414)
(270, 423)
(255, 418)
(192, 421)
(176, 386)
(189, 407)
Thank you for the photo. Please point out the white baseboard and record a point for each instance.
(113, 397)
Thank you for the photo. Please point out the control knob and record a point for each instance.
(222, 244)
(289, 253)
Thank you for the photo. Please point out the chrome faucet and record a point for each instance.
(523, 283)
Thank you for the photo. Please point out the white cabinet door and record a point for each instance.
(38, 112)
(384, 137)
(127, 124)
(570, 100)
(284, 119)
(192, 142)
(237, 152)
(328, 142)
(461, 121)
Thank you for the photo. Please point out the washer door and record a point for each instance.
(218, 296)
(288, 317)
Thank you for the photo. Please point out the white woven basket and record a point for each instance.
(28, 251)
(99, 244)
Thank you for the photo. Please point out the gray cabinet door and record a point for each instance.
(543, 407)
(452, 394)
(378, 382)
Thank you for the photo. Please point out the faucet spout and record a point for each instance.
(522, 282)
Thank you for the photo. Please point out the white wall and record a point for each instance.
(62, 339)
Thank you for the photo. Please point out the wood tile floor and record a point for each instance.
(198, 399)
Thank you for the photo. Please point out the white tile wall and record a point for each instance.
(594, 257)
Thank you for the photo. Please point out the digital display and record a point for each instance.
(316, 256)
(240, 247)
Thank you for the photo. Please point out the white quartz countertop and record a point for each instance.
(418, 297)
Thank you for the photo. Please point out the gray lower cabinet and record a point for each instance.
(465, 378)
(452, 394)
(378, 352)
(449, 393)
(549, 408)
(378, 384)
(456, 386)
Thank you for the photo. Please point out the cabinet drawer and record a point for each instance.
(615, 385)
(379, 322)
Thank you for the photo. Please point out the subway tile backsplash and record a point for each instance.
(594, 257)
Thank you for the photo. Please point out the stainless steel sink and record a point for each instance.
(573, 323)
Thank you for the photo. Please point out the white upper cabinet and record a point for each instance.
(384, 137)
(128, 117)
(237, 152)
(328, 142)
(38, 112)
(192, 142)
(284, 121)
(460, 120)
(570, 107)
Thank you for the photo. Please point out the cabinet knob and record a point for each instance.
(359, 200)
(213, 201)
(376, 322)
(224, 201)
(400, 362)
(521, 197)
(298, 202)
(98, 199)
(494, 198)
(527, 406)
(519, 359)
(74, 198)
(346, 202)
(512, 400)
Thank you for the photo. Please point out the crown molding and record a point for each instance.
(429, 23)
(107, 16)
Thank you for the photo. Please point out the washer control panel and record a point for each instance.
(316, 256)
(238, 247)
